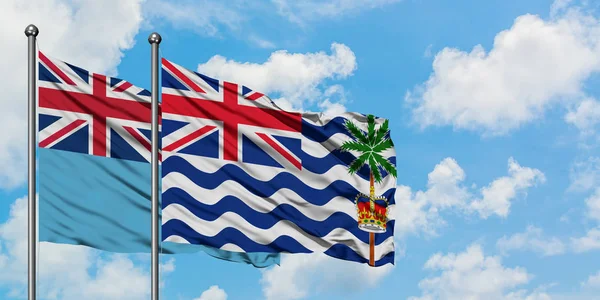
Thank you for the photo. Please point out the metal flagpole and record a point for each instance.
(154, 40)
(31, 32)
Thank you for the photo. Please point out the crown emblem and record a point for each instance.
(372, 213)
(369, 149)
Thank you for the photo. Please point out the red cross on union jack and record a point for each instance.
(226, 106)
(72, 99)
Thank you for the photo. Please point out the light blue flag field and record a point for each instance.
(94, 165)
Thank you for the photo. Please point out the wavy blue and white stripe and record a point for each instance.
(250, 208)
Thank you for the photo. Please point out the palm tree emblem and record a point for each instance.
(372, 211)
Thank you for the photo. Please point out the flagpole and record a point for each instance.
(31, 32)
(154, 39)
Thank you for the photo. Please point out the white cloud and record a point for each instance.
(420, 211)
(213, 293)
(74, 31)
(66, 271)
(415, 214)
(300, 275)
(593, 282)
(332, 108)
(301, 11)
(585, 175)
(334, 101)
(443, 185)
(593, 205)
(261, 42)
(585, 117)
(532, 239)
(167, 267)
(471, 275)
(498, 195)
(446, 190)
(589, 242)
(118, 278)
(532, 66)
(298, 78)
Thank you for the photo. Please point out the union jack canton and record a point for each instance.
(201, 113)
(90, 113)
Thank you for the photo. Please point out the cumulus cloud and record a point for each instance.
(420, 211)
(586, 116)
(300, 275)
(533, 240)
(532, 66)
(593, 282)
(66, 271)
(300, 12)
(496, 197)
(446, 190)
(213, 293)
(298, 78)
(71, 30)
(471, 275)
(589, 242)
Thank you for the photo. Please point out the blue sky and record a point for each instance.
(493, 112)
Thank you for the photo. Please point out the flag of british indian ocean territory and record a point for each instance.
(241, 174)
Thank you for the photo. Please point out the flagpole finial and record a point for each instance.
(32, 30)
(154, 38)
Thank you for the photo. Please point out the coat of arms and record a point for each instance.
(372, 210)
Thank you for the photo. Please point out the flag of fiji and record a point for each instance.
(94, 171)
(241, 174)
